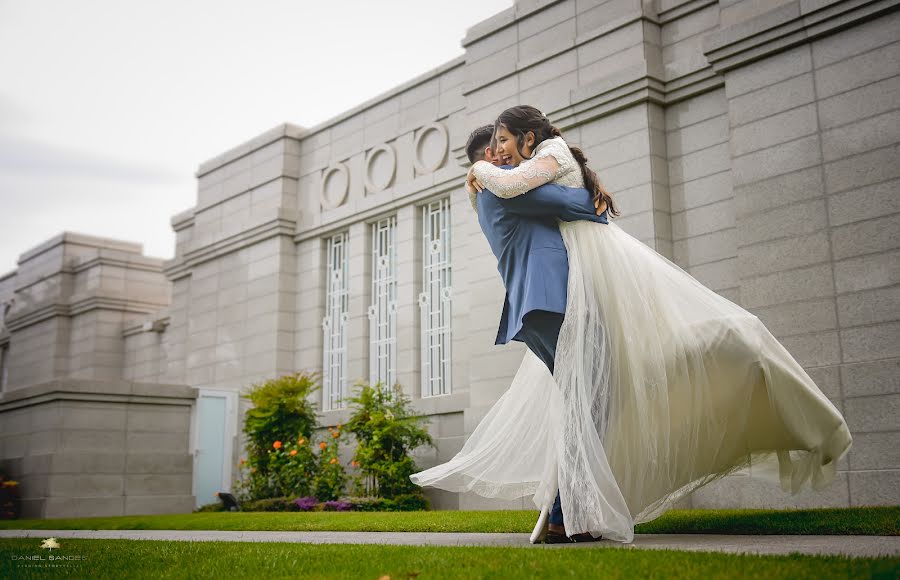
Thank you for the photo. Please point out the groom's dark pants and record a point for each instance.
(540, 332)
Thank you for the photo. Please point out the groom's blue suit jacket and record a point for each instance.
(531, 256)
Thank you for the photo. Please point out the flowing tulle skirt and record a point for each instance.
(661, 386)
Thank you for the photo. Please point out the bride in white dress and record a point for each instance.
(661, 385)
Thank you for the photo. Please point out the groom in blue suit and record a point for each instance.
(533, 262)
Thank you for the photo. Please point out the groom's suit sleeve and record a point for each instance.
(552, 200)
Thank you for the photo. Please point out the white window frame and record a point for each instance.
(383, 309)
(435, 300)
(334, 325)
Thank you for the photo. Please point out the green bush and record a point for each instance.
(271, 504)
(386, 431)
(279, 429)
(330, 477)
(211, 507)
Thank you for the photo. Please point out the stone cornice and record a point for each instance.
(787, 26)
(283, 224)
(79, 305)
(77, 239)
(682, 9)
(93, 390)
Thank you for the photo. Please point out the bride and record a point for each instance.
(660, 385)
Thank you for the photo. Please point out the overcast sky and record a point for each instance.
(107, 107)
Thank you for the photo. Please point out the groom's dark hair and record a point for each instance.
(478, 141)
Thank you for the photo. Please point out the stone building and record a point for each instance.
(753, 142)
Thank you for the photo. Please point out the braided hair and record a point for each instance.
(524, 118)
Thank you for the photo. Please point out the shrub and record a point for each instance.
(10, 505)
(279, 427)
(306, 504)
(271, 504)
(330, 478)
(337, 506)
(211, 507)
(386, 431)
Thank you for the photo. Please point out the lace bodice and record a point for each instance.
(552, 162)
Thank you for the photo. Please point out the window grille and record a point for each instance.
(435, 299)
(334, 325)
(383, 309)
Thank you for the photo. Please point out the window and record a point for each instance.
(435, 298)
(334, 365)
(383, 310)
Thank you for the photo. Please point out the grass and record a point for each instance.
(830, 521)
(155, 559)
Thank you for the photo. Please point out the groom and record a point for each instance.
(534, 265)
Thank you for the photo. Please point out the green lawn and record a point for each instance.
(155, 559)
(833, 521)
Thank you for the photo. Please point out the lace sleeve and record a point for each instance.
(508, 183)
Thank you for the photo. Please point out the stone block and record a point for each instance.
(856, 40)
(156, 504)
(793, 220)
(784, 254)
(697, 136)
(717, 275)
(857, 71)
(866, 101)
(788, 286)
(768, 71)
(699, 164)
(878, 413)
(868, 237)
(85, 485)
(157, 484)
(701, 191)
(871, 342)
(605, 67)
(870, 271)
(869, 307)
(703, 220)
(690, 24)
(798, 317)
(880, 377)
(85, 462)
(880, 487)
(786, 157)
(861, 136)
(590, 19)
(747, 492)
(774, 130)
(875, 451)
(771, 100)
(615, 126)
(92, 441)
(706, 248)
(818, 349)
(63, 507)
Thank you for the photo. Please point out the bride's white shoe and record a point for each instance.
(542, 525)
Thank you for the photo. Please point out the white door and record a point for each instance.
(212, 449)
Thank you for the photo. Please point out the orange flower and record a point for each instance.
(301, 441)
(293, 452)
(354, 463)
(277, 445)
(323, 445)
(336, 434)
(253, 470)
(333, 460)
(243, 461)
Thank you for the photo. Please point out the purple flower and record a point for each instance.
(306, 504)
(337, 506)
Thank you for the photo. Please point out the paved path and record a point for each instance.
(846, 545)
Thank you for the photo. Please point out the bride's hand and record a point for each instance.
(472, 183)
(600, 205)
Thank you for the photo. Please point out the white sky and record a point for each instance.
(107, 107)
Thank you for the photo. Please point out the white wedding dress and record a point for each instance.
(661, 386)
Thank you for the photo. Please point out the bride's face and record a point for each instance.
(507, 150)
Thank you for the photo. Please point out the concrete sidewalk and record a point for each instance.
(817, 545)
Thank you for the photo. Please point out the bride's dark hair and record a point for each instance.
(524, 118)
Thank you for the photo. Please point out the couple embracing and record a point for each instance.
(639, 384)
